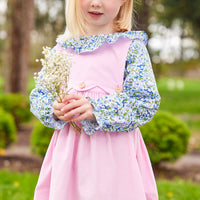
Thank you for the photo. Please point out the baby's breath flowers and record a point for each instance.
(55, 74)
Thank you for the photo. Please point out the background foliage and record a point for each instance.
(40, 138)
(7, 128)
(166, 137)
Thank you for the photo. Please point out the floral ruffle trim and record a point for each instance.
(91, 43)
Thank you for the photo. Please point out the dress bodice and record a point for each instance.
(123, 98)
(102, 68)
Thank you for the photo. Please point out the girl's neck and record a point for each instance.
(99, 31)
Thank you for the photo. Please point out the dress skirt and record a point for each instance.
(102, 166)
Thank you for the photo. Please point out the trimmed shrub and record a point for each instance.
(166, 137)
(40, 138)
(7, 129)
(17, 105)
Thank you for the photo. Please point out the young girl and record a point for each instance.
(114, 92)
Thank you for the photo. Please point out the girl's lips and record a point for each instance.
(95, 14)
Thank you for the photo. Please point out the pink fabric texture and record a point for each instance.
(105, 165)
(92, 67)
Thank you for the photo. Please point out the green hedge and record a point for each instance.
(166, 137)
(17, 105)
(7, 129)
(40, 138)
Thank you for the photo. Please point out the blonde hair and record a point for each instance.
(76, 25)
(123, 21)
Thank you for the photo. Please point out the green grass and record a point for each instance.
(194, 124)
(17, 186)
(20, 186)
(183, 102)
(192, 120)
(178, 190)
(177, 101)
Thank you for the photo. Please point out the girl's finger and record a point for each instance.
(58, 106)
(58, 113)
(73, 105)
(63, 119)
(83, 116)
(69, 115)
(72, 97)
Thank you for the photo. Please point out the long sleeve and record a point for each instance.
(41, 102)
(138, 102)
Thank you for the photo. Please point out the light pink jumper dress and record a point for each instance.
(104, 165)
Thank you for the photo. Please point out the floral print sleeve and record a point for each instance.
(41, 101)
(138, 102)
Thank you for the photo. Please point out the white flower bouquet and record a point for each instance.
(55, 74)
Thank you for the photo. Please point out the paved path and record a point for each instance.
(186, 161)
(18, 156)
(16, 150)
(22, 146)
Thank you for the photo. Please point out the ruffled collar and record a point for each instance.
(91, 43)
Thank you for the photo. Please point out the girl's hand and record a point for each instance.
(76, 108)
(57, 106)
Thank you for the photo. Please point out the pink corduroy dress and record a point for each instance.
(104, 165)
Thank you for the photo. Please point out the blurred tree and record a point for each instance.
(142, 14)
(50, 21)
(21, 17)
(186, 12)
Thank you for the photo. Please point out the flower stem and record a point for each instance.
(76, 127)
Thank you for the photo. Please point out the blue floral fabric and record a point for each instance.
(117, 112)
(90, 43)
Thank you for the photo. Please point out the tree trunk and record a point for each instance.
(22, 17)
